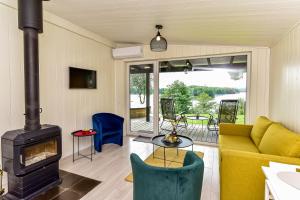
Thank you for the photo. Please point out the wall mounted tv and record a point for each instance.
(82, 78)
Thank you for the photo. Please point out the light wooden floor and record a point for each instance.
(113, 165)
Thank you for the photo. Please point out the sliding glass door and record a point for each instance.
(197, 88)
(141, 99)
(194, 88)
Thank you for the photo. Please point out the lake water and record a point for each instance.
(135, 102)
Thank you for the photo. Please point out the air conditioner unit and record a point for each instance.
(128, 52)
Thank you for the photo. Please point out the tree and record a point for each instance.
(205, 104)
(138, 85)
(212, 91)
(181, 95)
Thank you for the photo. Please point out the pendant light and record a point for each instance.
(158, 43)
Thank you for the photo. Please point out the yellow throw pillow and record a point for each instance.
(259, 128)
(280, 141)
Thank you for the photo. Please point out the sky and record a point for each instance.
(214, 78)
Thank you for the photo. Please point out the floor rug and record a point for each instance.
(73, 187)
(172, 159)
(143, 139)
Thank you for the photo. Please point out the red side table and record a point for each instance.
(80, 134)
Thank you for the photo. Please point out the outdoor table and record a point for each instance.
(199, 118)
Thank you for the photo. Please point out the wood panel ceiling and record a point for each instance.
(221, 22)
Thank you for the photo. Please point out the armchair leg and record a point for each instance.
(98, 143)
(186, 123)
(121, 140)
(216, 129)
(98, 150)
(162, 123)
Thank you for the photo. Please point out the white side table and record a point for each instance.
(268, 191)
(275, 188)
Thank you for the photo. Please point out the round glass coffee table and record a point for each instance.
(184, 142)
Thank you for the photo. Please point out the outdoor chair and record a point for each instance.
(158, 183)
(227, 114)
(169, 113)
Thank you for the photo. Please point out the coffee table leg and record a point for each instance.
(192, 147)
(165, 156)
(177, 151)
(153, 151)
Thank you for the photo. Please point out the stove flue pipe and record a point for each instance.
(31, 22)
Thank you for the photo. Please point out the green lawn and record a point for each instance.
(240, 119)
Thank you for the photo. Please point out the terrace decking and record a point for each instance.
(194, 131)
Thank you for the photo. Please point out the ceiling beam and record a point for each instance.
(238, 66)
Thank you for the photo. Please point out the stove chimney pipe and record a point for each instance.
(31, 22)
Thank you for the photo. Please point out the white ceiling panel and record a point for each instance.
(222, 22)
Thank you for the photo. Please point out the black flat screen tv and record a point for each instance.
(82, 78)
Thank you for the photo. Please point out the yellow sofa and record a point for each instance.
(244, 149)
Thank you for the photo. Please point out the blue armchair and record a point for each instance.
(156, 183)
(109, 128)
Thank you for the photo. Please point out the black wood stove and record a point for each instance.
(30, 156)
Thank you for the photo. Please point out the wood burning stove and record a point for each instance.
(30, 156)
(30, 159)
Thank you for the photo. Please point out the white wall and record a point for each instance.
(285, 80)
(61, 45)
(259, 73)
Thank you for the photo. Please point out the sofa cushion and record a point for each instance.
(260, 127)
(240, 143)
(280, 141)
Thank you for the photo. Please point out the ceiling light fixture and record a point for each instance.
(158, 43)
(186, 70)
(188, 63)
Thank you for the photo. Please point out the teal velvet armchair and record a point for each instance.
(156, 183)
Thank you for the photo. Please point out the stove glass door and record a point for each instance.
(38, 152)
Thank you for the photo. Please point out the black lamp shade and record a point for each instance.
(158, 45)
